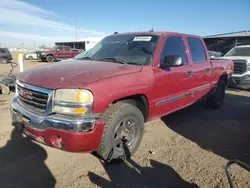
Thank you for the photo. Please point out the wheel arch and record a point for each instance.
(50, 55)
(224, 77)
(140, 101)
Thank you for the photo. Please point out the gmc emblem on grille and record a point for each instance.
(25, 94)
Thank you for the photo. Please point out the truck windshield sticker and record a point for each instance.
(142, 38)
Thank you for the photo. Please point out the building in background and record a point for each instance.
(224, 42)
(84, 44)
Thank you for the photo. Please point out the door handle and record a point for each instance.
(207, 70)
(189, 73)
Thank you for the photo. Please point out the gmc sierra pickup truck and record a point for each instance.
(58, 53)
(240, 55)
(101, 100)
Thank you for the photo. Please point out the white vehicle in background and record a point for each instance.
(241, 59)
(32, 56)
(214, 54)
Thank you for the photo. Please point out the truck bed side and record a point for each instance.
(221, 67)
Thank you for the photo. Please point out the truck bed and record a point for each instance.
(221, 66)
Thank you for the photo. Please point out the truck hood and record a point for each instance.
(237, 57)
(74, 73)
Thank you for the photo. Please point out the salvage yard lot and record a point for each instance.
(189, 148)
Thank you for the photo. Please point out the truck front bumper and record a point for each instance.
(240, 81)
(58, 131)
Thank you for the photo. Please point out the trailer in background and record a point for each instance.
(84, 44)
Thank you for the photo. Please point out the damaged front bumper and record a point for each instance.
(75, 134)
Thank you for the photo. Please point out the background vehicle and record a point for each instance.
(59, 53)
(214, 54)
(5, 55)
(32, 56)
(100, 100)
(241, 59)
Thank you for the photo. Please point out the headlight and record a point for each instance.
(248, 66)
(73, 101)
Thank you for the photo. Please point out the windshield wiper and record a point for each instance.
(113, 59)
(87, 58)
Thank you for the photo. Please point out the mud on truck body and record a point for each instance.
(101, 100)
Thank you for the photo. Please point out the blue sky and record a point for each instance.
(46, 21)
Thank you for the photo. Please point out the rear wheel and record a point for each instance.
(123, 132)
(216, 99)
(50, 59)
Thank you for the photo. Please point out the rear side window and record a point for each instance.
(197, 50)
(66, 49)
(174, 46)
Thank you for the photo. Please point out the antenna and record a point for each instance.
(152, 30)
(76, 30)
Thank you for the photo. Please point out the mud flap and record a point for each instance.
(119, 156)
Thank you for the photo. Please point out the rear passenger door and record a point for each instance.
(201, 67)
(67, 52)
(172, 85)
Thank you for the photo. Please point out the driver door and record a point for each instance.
(172, 85)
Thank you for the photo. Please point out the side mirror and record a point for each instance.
(172, 61)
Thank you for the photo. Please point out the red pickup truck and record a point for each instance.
(100, 100)
(58, 53)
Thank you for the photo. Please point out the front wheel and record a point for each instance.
(30, 58)
(3, 60)
(123, 132)
(216, 99)
(5, 90)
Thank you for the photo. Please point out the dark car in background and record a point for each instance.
(5, 55)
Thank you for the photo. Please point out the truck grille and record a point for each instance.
(34, 99)
(239, 67)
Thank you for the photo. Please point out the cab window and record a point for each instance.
(174, 45)
(197, 50)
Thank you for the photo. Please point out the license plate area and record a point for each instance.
(20, 120)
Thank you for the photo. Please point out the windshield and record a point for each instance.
(54, 48)
(239, 51)
(130, 49)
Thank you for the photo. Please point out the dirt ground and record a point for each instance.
(189, 148)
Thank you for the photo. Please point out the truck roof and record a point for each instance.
(162, 33)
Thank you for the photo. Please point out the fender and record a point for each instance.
(109, 90)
